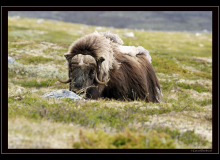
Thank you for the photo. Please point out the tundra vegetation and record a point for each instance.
(183, 65)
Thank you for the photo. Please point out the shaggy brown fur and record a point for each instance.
(131, 77)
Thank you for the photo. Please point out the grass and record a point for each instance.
(196, 87)
(35, 60)
(35, 83)
(124, 140)
(182, 64)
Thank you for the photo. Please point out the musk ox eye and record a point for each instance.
(92, 72)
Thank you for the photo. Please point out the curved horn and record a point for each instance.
(99, 62)
(99, 82)
(67, 81)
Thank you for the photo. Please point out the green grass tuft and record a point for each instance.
(199, 88)
(35, 60)
(35, 83)
(124, 140)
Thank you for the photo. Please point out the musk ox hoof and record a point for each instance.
(61, 94)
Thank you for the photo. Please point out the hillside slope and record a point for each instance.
(183, 64)
(147, 20)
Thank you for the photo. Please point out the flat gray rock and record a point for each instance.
(61, 94)
(10, 59)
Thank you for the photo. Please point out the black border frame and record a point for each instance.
(215, 78)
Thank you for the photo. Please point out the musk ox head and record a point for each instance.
(83, 71)
(87, 62)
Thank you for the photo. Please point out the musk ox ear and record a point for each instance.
(68, 57)
(100, 60)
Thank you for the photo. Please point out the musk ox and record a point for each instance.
(101, 67)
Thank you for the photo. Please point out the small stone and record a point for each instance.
(40, 21)
(129, 34)
(10, 59)
(198, 34)
(19, 91)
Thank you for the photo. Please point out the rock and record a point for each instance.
(19, 91)
(198, 34)
(40, 21)
(129, 34)
(10, 59)
(98, 28)
(61, 94)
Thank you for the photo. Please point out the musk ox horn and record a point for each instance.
(67, 81)
(99, 62)
(99, 82)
